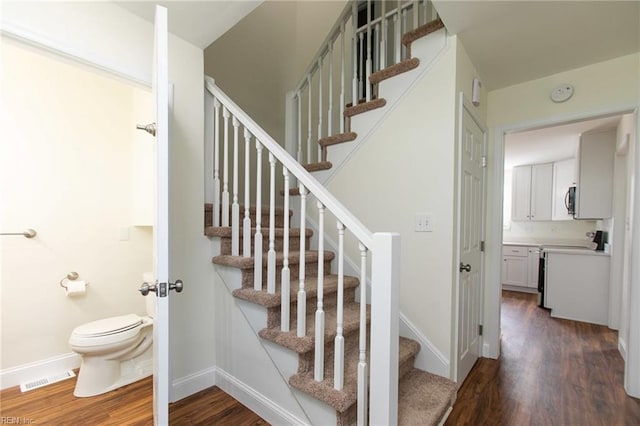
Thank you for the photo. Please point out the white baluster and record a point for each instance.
(397, 43)
(354, 54)
(257, 239)
(271, 255)
(403, 29)
(225, 170)
(383, 39)
(216, 162)
(376, 47)
(309, 121)
(235, 207)
(362, 358)
(285, 286)
(342, 66)
(360, 70)
(319, 103)
(318, 371)
(246, 223)
(369, 63)
(330, 113)
(302, 295)
(415, 11)
(299, 155)
(338, 367)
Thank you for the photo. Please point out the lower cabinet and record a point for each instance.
(520, 266)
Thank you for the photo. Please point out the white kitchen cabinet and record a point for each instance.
(515, 265)
(533, 263)
(594, 189)
(577, 285)
(532, 192)
(564, 176)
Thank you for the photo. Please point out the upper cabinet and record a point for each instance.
(564, 177)
(532, 192)
(594, 187)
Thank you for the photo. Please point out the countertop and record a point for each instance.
(565, 247)
(580, 251)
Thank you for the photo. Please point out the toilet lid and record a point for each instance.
(107, 326)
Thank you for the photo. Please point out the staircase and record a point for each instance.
(350, 358)
(424, 398)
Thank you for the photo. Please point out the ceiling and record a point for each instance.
(550, 143)
(198, 22)
(511, 42)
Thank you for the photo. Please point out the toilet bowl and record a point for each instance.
(115, 351)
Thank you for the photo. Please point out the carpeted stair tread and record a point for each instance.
(289, 339)
(267, 300)
(424, 398)
(316, 167)
(341, 400)
(364, 107)
(393, 70)
(247, 262)
(426, 29)
(252, 210)
(337, 139)
(292, 191)
(225, 231)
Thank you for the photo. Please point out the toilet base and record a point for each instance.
(98, 375)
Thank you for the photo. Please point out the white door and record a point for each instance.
(160, 289)
(471, 233)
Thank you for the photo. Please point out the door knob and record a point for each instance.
(146, 288)
(464, 267)
(149, 128)
(177, 286)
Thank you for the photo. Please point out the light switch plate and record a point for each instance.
(123, 234)
(423, 222)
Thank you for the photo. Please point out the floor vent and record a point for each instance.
(38, 383)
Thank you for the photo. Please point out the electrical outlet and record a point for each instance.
(424, 222)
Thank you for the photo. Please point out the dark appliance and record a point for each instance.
(570, 200)
(599, 239)
(541, 279)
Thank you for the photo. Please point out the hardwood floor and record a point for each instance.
(551, 372)
(131, 405)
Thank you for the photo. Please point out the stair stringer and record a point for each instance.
(428, 49)
(429, 358)
(285, 361)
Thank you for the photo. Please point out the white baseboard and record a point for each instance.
(193, 383)
(255, 401)
(429, 358)
(11, 377)
(622, 348)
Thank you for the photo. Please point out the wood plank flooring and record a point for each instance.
(131, 405)
(551, 372)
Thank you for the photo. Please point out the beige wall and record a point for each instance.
(263, 57)
(65, 171)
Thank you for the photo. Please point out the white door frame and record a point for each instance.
(492, 299)
(465, 105)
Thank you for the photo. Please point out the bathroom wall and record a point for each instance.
(65, 170)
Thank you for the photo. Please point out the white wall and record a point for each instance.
(110, 37)
(528, 105)
(65, 171)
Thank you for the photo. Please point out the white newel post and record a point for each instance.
(385, 294)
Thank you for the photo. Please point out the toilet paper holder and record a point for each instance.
(71, 276)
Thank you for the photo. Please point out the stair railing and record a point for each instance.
(384, 249)
(366, 38)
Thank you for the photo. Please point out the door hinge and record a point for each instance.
(479, 329)
(484, 161)
(481, 245)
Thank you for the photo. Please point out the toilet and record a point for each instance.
(115, 351)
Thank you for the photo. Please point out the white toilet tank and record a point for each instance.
(150, 299)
